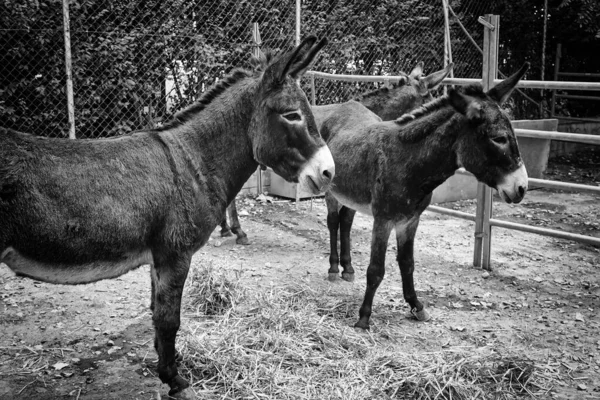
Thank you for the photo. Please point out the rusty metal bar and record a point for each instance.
(453, 213)
(546, 232)
(562, 136)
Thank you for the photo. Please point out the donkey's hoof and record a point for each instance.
(348, 276)
(364, 325)
(242, 240)
(186, 394)
(177, 384)
(333, 276)
(226, 233)
(422, 315)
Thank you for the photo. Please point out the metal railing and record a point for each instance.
(483, 220)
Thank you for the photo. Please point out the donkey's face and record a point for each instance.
(411, 91)
(489, 148)
(285, 136)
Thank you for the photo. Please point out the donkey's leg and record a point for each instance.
(333, 222)
(346, 219)
(225, 231)
(376, 269)
(242, 238)
(405, 239)
(168, 275)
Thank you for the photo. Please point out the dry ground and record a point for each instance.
(538, 310)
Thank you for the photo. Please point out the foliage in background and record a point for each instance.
(135, 62)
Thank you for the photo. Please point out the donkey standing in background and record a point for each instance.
(77, 211)
(388, 103)
(390, 169)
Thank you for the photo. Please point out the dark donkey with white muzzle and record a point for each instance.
(77, 211)
(390, 169)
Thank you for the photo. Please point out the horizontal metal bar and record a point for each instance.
(356, 78)
(579, 74)
(577, 97)
(553, 85)
(454, 213)
(485, 23)
(562, 136)
(527, 84)
(573, 187)
(546, 232)
(575, 119)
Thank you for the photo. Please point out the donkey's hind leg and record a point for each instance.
(333, 223)
(168, 278)
(405, 239)
(225, 230)
(242, 238)
(346, 219)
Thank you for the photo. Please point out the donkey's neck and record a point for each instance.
(219, 135)
(434, 157)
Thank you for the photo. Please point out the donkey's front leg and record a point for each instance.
(236, 228)
(405, 239)
(346, 219)
(376, 269)
(168, 277)
(333, 223)
(225, 230)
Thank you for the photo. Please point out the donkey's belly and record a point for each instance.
(74, 273)
(363, 208)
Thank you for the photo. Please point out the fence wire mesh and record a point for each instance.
(136, 62)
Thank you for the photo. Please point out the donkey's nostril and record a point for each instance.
(328, 174)
(521, 191)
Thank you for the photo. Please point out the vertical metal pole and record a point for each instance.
(556, 71)
(298, 20)
(483, 213)
(69, 69)
(544, 56)
(313, 93)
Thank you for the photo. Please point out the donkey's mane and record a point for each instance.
(429, 108)
(188, 113)
(474, 90)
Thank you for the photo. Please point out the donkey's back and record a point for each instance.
(88, 208)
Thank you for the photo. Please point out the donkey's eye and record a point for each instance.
(292, 116)
(501, 140)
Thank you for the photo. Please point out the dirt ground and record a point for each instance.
(541, 300)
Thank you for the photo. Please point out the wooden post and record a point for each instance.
(483, 231)
(298, 20)
(256, 53)
(69, 70)
(447, 42)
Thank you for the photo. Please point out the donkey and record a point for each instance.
(75, 212)
(389, 103)
(389, 169)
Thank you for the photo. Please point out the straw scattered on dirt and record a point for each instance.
(293, 342)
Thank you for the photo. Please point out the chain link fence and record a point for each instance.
(136, 62)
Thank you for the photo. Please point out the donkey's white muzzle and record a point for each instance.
(318, 173)
(513, 187)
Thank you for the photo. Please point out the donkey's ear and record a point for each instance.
(466, 105)
(417, 71)
(303, 57)
(501, 92)
(435, 79)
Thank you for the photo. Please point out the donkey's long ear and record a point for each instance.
(301, 61)
(435, 79)
(466, 105)
(417, 71)
(502, 91)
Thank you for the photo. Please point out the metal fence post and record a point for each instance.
(483, 231)
(69, 69)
